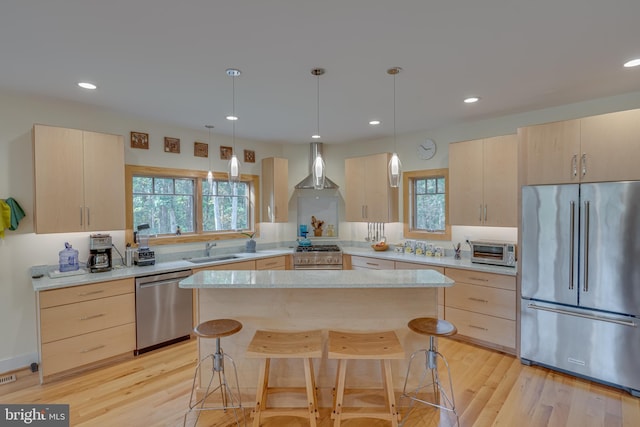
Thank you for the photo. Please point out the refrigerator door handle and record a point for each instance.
(572, 247)
(585, 286)
(630, 323)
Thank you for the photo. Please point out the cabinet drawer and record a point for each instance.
(480, 326)
(69, 320)
(480, 278)
(74, 294)
(372, 263)
(81, 350)
(482, 299)
(241, 265)
(401, 265)
(275, 263)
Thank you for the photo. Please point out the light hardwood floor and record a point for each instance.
(492, 389)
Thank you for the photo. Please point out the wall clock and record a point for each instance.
(426, 149)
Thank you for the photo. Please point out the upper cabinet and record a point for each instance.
(368, 196)
(79, 180)
(592, 149)
(275, 194)
(483, 177)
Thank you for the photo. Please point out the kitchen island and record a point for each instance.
(351, 300)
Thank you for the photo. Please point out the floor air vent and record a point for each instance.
(7, 379)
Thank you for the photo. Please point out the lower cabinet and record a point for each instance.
(84, 325)
(367, 263)
(401, 265)
(483, 307)
(274, 263)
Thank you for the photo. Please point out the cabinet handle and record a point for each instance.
(88, 217)
(94, 316)
(373, 263)
(275, 213)
(478, 327)
(480, 214)
(92, 349)
(574, 164)
(271, 263)
(362, 211)
(479, 278)
(81, 223)
(478, 300)
(90, 293)
(583, 162)
(485, 213)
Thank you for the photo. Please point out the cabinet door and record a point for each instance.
(103, 181)
(500, 185)
(59, 194)
(354, 189)
(610, 145)
(275, 196)
(465, 183)
(381, 200)
(551, 152)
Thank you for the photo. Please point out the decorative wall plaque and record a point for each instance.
(225, 152)
(140, 140)
(249, 156)
(200, 149)
(171, 145)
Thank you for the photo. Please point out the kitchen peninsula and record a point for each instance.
(353, 300)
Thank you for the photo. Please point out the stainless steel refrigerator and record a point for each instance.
(580, 306)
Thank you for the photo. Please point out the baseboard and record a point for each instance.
(24, 378)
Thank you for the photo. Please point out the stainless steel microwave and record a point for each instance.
(493, 252)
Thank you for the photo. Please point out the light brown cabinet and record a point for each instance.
(401, 265)
(483, 177)
(79, 180)
(275, 193)
(273, 263)
(85, 325)
(367, 263)
(483, 307)
(592, 149)
(368, 196)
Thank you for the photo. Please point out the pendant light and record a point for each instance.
(234, 163)
(318, 169)
(210, 173)
(395, 166)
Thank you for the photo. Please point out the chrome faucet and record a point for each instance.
(207, 248)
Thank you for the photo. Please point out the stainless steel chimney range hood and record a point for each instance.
(315, 148)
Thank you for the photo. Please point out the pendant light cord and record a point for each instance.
(395, 144)
(318, 105)
(233, 112)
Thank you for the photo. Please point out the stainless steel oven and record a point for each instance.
(164, 311)
(317, 257)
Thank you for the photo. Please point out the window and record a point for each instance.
(426, 204)
(175, 199)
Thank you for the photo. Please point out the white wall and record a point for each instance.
(22, 248)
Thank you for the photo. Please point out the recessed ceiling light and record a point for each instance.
(632, 63)
(86, 85)
(471, 99)
(232, 118)
(374, 122)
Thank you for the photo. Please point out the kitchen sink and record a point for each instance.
(206, 259)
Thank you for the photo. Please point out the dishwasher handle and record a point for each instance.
(161, 279)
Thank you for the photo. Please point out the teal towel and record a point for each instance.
(16, 213)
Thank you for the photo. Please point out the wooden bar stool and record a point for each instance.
(433, 328)
(346, 346)
(269, 345)
(217, 329)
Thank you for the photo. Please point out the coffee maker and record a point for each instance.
(99, 253)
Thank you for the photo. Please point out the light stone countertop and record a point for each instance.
(44, 283)
(315, 279)
(445, 261)
(119, 272)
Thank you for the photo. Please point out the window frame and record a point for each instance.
(200, 176)
(408, 179)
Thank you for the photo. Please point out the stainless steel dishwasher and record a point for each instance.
(164, 311)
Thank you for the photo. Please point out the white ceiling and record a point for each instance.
(166, 59)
